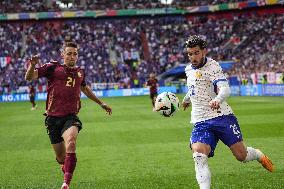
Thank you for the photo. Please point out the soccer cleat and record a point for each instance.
(64, 186)
(265, 162)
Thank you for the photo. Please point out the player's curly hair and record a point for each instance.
(196, 40)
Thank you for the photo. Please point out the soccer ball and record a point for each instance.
(167, 104)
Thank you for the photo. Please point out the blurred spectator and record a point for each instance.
(14, 6)
(127, 50)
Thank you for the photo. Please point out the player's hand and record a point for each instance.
(185, 105)
(34, 60)
(214, 104)
(106, 108)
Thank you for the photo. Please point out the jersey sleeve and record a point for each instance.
(46, 70)
(148, 83)
(156, 82)
(216, 74)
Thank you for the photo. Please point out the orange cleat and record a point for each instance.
(266, 162)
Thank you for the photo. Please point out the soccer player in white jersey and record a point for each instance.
(212, 117)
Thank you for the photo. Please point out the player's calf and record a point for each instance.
(69, 167)
(252, 154)
(203, 175)
(241, 154)
(61, 163)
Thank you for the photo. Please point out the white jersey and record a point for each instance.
(202, 85)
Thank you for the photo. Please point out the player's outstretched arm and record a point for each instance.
(89, 93)
(186, 101)
(31, 72)
(223, 94)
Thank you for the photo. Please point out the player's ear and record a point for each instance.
(62, 53)
(205, 51)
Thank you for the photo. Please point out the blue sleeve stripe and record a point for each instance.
(216, 81)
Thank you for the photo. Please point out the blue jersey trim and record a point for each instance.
(217, 80)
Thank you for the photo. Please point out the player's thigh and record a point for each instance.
(201, 148)
(71, 133)
(153, 95)
(59, 149)
(32, 99)
(203, 140)
(71, 128)
(70, 121)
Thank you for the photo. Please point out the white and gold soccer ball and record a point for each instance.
(167, 104)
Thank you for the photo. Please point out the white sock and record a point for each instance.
(205, 185)
(203, 175)
(252, 154)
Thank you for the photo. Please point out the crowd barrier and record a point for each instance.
(100, 93)
(236, 90)
(259, 90)
(254, 90)
(136, 12)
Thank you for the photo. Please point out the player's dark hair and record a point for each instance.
(70, 44)
(196, 40)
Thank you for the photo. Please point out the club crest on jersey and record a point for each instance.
(198, 75)
(79, 74)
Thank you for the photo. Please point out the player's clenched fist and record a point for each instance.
(185, 105)
(34, 60)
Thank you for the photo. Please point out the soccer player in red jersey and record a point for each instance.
(65, 83)
(32, 93)
(153, 85)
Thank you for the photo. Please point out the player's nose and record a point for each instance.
(72, 57)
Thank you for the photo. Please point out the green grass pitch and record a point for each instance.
(137, 148)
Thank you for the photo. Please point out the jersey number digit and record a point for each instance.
(236, 131)
(70, 82)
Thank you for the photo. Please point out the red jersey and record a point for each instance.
(63, 89)
(153, 85)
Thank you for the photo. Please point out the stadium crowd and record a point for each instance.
(127, 50)
(12, 6)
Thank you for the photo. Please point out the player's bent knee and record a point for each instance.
(200, 148)
(60, 159)
(200, 158)
(241, 155)
(71, 146)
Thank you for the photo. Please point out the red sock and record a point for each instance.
(69, 166)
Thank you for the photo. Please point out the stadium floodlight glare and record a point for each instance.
(166, 2)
